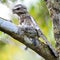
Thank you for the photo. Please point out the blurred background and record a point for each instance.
(10, 49)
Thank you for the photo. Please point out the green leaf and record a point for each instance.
(3, 1)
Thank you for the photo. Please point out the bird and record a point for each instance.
(28, 21)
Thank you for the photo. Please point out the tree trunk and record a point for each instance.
(54, 9)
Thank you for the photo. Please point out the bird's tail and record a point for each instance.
(48, 43)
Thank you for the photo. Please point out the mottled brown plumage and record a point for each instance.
(27, 21)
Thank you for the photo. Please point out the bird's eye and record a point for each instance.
(18, 9)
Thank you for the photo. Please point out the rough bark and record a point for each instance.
(54, 9)
(12, 30)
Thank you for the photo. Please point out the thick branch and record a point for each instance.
(12, 30)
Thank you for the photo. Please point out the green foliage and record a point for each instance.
(15, 20)
(2, 44)
(3, 1)
(41, 14)
(13, 0)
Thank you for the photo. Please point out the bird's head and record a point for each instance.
(19, 9)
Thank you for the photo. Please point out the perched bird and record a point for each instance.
(27, 21)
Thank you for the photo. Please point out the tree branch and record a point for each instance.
(12, 30)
